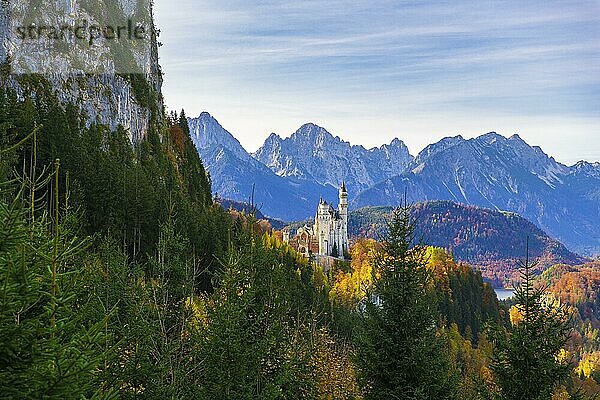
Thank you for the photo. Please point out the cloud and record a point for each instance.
(390, 60)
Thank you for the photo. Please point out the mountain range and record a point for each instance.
(289, 175)
(503, 174)
(236, 175)
(313, 154)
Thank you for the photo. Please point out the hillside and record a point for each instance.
(578, 285)
(492, 241)
(121, 276)
(247, 209)
(579, 288)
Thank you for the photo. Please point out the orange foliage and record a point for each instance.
(178, 138)
(259, 226)
(578, 287)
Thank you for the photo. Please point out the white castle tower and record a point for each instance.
(331, 226)
(343, 211)
(329, 234)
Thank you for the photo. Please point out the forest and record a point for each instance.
(122, 278)
(491, 241)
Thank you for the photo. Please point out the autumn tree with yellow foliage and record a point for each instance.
(350, 287)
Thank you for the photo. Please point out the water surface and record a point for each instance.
(504, 294)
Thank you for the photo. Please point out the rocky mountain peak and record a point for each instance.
(273, 137)
(492, 170)
(588, 169)
(490, 137)
(314, 153)
(396, 143)
(207, 132)
(315, 136)
(532, 158)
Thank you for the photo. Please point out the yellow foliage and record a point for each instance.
(333, 369)
(273, 241)
(198, 307)
(589, 364)
(516, 315)
(489, 381)
(438, 257)
(561, 394)
(563, 356)
(318, 277)
(350, 288)
(440, 261)
(470, 362)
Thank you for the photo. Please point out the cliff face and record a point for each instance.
(106, 94)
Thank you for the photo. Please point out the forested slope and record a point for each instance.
(492, 241)
(115, 259)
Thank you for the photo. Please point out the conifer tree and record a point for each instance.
(183, 123)
(47, 347)
(525, 358)
(254, 331)
(399, 354)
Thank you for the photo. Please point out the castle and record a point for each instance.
(328, 236)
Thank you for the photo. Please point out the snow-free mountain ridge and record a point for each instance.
(491, 241)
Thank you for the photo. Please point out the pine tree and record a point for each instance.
(524, 360)
(47, 347)
(399, 354)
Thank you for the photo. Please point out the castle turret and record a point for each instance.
(343, 207)
(343, 211)
(286, 235)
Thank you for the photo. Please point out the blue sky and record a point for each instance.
(369, 71)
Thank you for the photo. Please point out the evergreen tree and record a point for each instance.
(257, 331)
(399, 354)
(525, 358)
(183, 123)
(48, 349)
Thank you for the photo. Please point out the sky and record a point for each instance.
(370, 71)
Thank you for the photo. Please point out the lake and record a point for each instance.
(504, 294)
